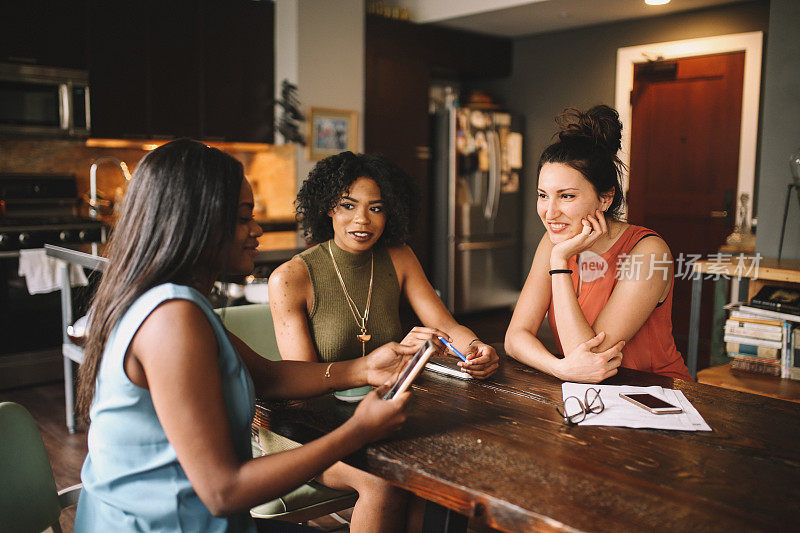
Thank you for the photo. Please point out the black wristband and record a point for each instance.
(473, 340)
(561, 271)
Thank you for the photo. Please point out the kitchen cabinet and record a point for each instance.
(237, 71)
(45, 33)
(174, 73)
(118, 70)
(182, 69)
(396, 125)
(401, 59)
(464, 55)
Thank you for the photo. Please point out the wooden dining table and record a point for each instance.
(497, 453)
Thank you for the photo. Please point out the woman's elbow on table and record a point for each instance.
(509, 343)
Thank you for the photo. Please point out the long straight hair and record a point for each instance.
(179, 212)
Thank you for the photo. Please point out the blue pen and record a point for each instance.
(453, 348)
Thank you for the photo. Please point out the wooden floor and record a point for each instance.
(67, 452)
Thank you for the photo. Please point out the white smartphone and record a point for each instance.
(412, 370)
(651, 403)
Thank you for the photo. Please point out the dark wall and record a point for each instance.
(780, 130)
(577, 68)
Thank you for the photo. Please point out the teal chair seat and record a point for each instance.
(306, 502)
(29, 500)
(253, 324)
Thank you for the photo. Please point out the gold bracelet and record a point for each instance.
(328, 371)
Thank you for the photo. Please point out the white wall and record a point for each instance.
(319, 46)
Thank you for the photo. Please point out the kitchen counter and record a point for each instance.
(268, 225)
(274, 248)
(277, 225)
(85, 255)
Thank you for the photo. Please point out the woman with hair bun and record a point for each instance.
(605, 285)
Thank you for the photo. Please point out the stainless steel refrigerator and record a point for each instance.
(477, 162)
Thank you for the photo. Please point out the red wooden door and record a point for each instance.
(684, 162)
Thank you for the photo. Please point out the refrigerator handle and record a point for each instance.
(498, 182)
(488, 208)
(493, 199)
(452, 177)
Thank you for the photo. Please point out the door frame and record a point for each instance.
(750, 43)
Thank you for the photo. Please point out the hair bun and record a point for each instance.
(599, 126)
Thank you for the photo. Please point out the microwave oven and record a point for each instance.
(37, 100)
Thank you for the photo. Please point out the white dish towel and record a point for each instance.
(42, 273)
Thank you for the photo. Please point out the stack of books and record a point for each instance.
(764, 336)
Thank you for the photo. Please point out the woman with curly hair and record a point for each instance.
(602, 282)
(338, 299)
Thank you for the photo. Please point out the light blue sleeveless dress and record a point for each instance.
(132, 480)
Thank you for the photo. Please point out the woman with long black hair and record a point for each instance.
(169, 392)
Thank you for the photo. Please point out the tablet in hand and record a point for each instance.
(411, 371)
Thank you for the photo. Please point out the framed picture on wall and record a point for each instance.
(331, 131)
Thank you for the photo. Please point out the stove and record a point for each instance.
(42, 208)
(36, 209)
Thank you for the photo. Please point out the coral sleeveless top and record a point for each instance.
(652, 348)
(333, 327)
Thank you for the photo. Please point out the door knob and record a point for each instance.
(719, 214)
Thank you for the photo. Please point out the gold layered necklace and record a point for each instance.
(361, 320)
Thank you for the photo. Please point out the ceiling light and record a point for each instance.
(656, 2)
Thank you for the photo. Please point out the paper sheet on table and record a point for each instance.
(622, 413)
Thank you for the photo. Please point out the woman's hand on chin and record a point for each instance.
(385, 363)
(482, 361)
(583, 365)
(594, 227)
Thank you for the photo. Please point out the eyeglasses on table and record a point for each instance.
(592, 403)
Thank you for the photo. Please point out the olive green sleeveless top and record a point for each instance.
(333, 328)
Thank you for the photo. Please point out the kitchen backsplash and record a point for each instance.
(270, 169)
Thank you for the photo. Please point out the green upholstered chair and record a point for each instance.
(253, 324)
(29, 500)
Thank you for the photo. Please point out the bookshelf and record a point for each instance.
(774, 387)
(769, 272)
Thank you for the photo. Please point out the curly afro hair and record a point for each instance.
(332, 177)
